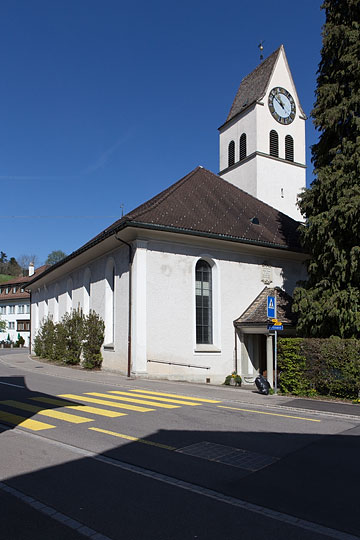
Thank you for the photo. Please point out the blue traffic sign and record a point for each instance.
(271, 307)
(275, 327)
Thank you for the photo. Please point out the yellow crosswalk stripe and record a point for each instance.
(51, 413)
(28, 423)
(176, 396)
(132, 400)
(134, 439)
(168, 400)
(81, 408)
(104, 402)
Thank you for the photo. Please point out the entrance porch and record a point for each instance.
(254, 343)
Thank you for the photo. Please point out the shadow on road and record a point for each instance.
(310, 476)
(17, 410)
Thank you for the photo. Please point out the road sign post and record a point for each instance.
(276, 326)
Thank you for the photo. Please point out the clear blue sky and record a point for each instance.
(106, 102)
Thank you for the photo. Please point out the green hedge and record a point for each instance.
(75, 339)
(327, 367)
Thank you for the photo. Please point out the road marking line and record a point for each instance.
(132, 400)
(81, 408)
(269, 413)
(9, 384)
(157, 398)
(47, 412)
(134, 439)
(104, 402)
(176, 396)
(33, 425)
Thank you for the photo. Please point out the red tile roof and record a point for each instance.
(19, 282)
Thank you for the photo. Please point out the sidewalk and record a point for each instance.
(248, 396)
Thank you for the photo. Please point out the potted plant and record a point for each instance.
(233, 380)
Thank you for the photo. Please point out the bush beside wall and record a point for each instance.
(76, 337)
(327, 367)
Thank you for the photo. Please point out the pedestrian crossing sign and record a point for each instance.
(271, 307)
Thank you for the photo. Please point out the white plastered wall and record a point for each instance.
(170, 307)
(115, 358)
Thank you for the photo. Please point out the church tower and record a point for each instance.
(262, 143)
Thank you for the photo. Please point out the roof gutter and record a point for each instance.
(236, 239)
(166, 228)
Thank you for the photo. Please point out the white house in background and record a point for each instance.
(181, 281)
(15, 306)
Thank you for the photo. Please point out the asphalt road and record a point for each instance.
(102, 456)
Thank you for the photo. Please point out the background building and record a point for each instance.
(15, 306)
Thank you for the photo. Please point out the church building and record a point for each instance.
(182, 281)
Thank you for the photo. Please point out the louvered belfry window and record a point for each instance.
(203, 292)
(231, 154)
(243, 146)
(274, 143)
(289, 148)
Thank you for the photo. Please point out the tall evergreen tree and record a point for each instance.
(329, 302)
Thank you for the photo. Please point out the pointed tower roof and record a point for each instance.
(253, 87)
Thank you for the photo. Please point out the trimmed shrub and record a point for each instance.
(328, 367)
(333, 366)
(44, 339)
(20, 342)
(74, 328)
(59, 349)
(94, 333)
(292, 368)
(71, 339)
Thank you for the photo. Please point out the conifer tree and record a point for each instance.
(329, 302)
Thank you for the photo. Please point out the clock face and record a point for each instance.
(282, 105)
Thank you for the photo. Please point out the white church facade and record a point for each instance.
(181, 281)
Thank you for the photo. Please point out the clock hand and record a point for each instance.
(279, 101)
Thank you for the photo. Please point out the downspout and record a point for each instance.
(236, 351)
(130, 304)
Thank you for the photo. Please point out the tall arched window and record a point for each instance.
(231, 153)
(203, 292)
(109, 301)
(274, 143)
(289, 148)
(243, 146)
